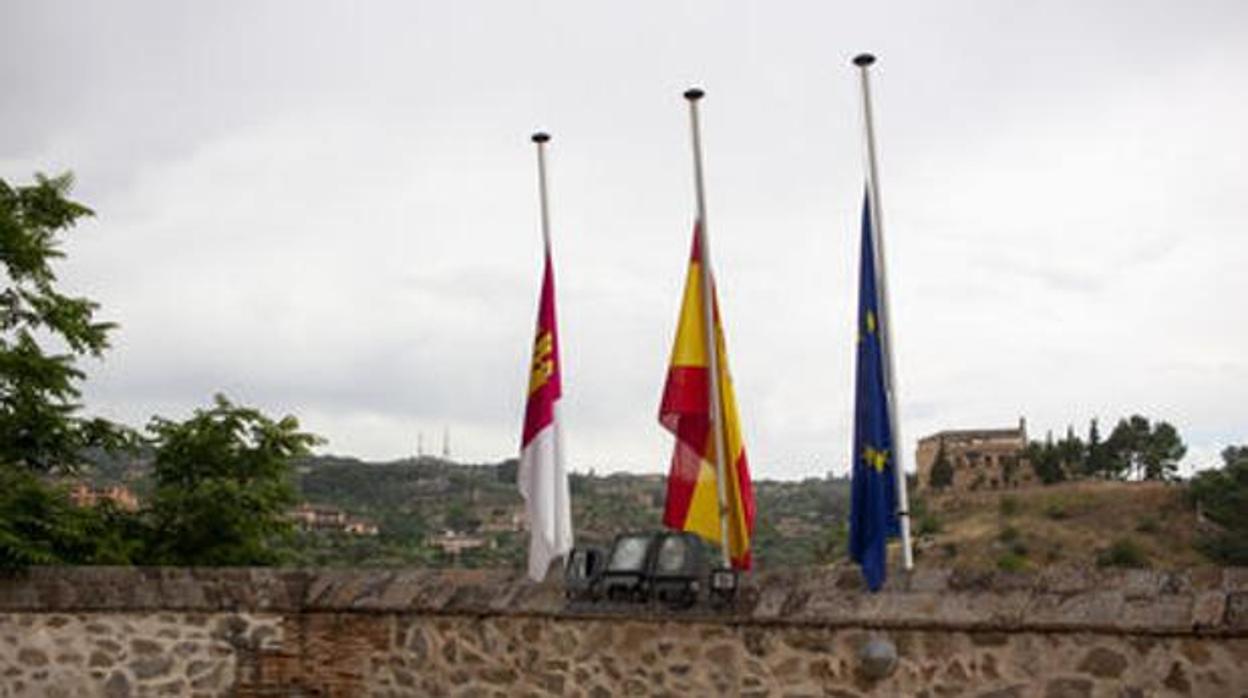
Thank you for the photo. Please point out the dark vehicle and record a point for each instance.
(581, 576)
(672, 567)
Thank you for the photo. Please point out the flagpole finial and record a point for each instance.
(693, 94)
(863, 60)
(541, 137)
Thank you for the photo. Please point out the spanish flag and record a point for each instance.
(692, 487)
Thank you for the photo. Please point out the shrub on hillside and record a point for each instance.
(1123, 552)
(1009, 506)
(1148, 524)
(1056, 511)
(926, 522)
(1012, 538)
(929, 525)
(1011, 562)
(1009, 534)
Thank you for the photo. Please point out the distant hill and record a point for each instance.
(415, 500)
(799, 523)
(421, 485)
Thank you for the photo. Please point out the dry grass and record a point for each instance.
(1067, 524)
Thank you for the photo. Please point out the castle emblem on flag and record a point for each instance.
(543, 361)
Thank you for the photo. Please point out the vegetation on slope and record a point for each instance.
(1132, 524)
(799, 523)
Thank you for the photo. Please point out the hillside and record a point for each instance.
(799, 523)
(1146, 524)
(414, 502)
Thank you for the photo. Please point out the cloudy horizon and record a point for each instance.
(331, 210)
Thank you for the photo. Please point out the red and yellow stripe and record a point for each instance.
(692, 496)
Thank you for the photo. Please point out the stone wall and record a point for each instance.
(139, 632)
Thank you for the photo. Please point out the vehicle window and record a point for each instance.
(672, 555)
(629, 555)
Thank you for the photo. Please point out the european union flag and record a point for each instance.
(873, 498)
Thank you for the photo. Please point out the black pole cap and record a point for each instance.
(541, 137)
(693, 94)
(863, 60)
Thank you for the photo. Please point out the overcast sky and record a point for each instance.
(330, 209)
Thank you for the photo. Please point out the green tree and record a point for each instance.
(1097, 463)
(1072, 453)
(1138, 448)
(1163, 452)
(1221, 497)
(223, 486)
(1046, 461)
(40, 428)
(461, 518)
(43, 334)
(404, 527)
(1124, 446)
(941, 475)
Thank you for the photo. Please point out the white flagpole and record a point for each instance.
(864, 61)
(541, 139)
(708, 327)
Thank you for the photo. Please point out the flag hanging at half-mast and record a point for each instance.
(692, 485)
(873, 495)
(542, 476)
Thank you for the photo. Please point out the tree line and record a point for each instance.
(1136, 449)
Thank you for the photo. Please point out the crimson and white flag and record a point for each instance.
(542, 475)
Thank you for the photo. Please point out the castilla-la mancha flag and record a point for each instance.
(542, 477)
(692, 496)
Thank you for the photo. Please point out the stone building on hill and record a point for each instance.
(312, 517)
(980, 459)
(454, 543)
(85, 495)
